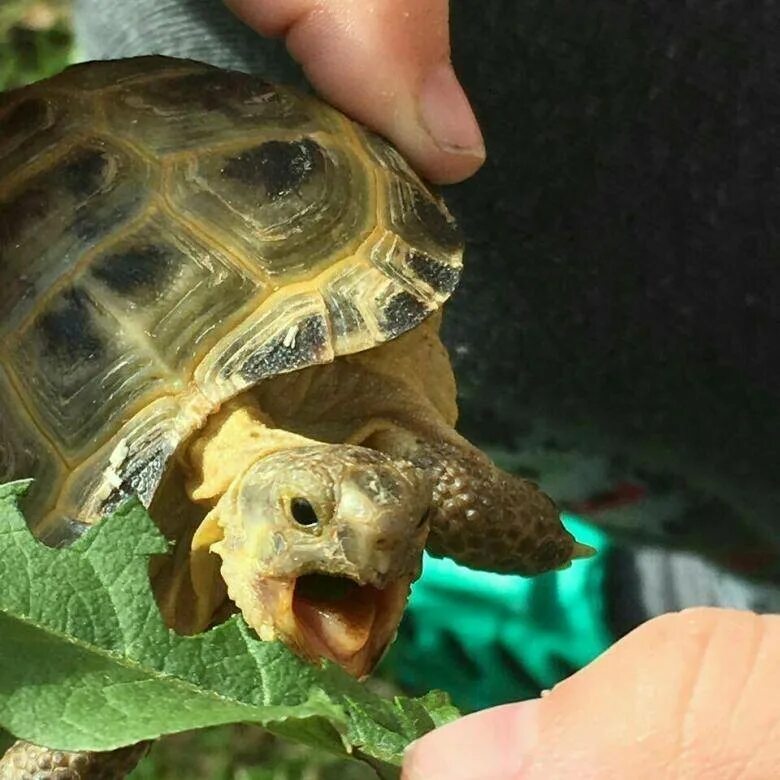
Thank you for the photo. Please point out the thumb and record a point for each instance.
(690, 695)
(387, 64)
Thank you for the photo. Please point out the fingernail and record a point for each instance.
(491, 745)
(446, 113)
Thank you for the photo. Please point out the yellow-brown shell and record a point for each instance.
(171, 234)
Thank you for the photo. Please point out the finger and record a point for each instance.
(387, 64)
(688, 695)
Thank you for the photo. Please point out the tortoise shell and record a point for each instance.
(172, 234)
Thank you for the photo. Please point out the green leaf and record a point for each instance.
(86, 662)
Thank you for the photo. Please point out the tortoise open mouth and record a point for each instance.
(346, 622)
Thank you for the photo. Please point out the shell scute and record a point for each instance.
(32, 128)
(136, 271)
(305, 343)
(24, 451)
(280, 168)
(54, 218)
(274, 339)
(441, 277)
(176, 286)
(285, 223)
(81, 369)
(428, 256)
(132, 464)
(401, 310)
(229, 107)
(106, 74)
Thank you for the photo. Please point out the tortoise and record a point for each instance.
(224, 297)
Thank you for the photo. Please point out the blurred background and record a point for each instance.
(35, 40)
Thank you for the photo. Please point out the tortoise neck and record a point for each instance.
(236, 436)
(474, 500)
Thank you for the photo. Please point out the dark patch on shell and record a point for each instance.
(65, 533)
(402, 313)
(279, 167)
(136, 270)
(83, 175)
(30, 113)
(141, 479)
(283, 354)
(436, 222)
(89, 225)
(440, 277)
(67, 331)
(32, 205)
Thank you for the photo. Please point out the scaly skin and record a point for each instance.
(483, 517)
(25, 761)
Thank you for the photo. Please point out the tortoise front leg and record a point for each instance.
(24, 760)
(482, 516)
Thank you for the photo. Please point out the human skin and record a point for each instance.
(687, 695)
(387, 64)
(692, 695)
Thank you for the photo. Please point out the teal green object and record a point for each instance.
(489, 638)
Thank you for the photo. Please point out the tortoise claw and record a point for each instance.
(580, 550)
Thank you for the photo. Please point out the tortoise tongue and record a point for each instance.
(337, 626)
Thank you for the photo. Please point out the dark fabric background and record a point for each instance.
(621, 301)
(623, 282)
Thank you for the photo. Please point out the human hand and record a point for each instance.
(387, 64)
(694, 694)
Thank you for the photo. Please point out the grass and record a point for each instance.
(241, 753)
(35, 40)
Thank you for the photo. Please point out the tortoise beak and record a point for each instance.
(322, 616)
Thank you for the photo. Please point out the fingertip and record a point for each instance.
(445, 115)
(387, 65)
(433, 164)
(685, 694)
(377, 70)
(488, 745)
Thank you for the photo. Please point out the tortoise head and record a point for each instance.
(319, 547)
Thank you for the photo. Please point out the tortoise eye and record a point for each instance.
(303, 512)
